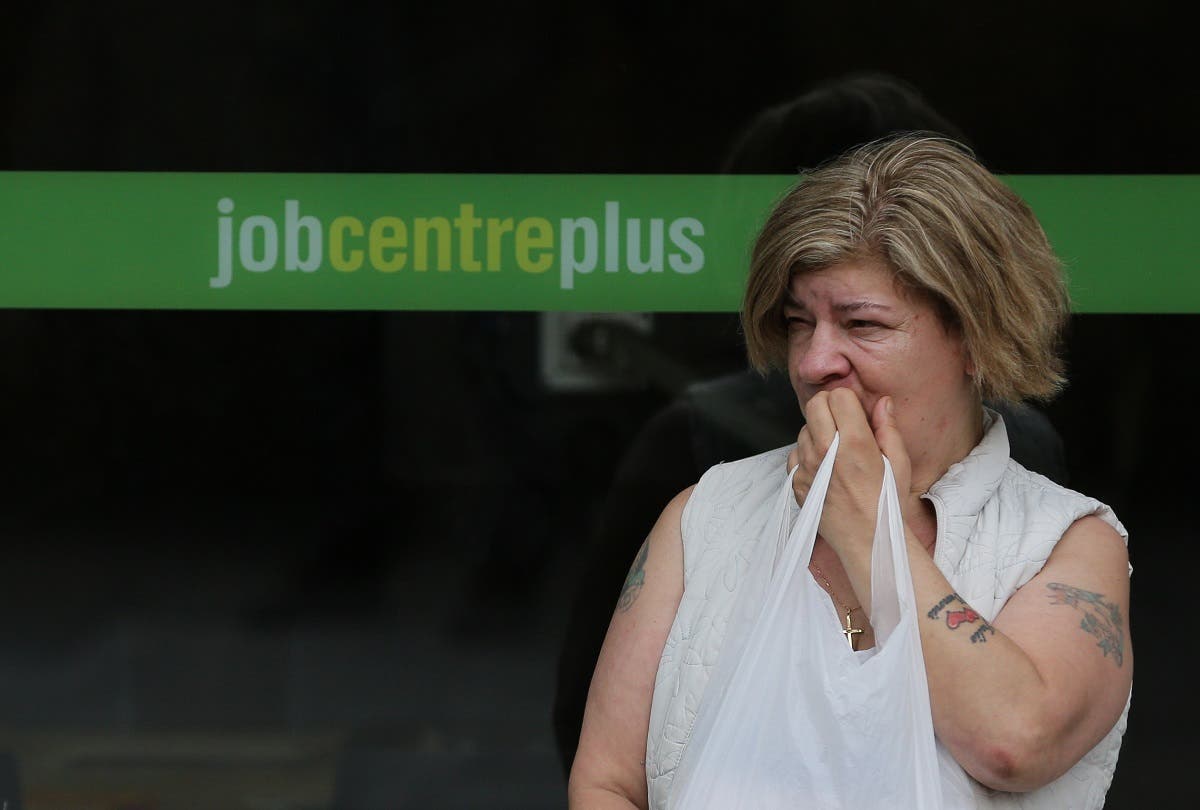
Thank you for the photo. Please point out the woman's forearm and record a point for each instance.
(1018, 700)
(985, 692)
(1013, 723)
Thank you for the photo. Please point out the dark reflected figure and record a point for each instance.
(743, 414)
(830, 118)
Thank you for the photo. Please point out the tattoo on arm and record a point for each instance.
(962, 614)
(634, 579)
(1100, 619)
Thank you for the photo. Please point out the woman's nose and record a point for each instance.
(822, 357)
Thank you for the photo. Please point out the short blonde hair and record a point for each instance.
(949, 230)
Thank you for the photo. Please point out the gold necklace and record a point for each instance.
(849, 631)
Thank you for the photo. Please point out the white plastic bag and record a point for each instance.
(792, 717)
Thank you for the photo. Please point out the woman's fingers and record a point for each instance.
(821, 425)
(847, 415)
(887, 435)
(850, 505)
(813, 442)
(863, 438)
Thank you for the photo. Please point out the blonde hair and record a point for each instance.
(950, 231)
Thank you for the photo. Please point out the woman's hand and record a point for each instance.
(852, 500)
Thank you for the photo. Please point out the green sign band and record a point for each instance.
(649, 243)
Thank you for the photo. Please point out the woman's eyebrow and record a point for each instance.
(860, 305)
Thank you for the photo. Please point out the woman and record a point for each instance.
(900, 284)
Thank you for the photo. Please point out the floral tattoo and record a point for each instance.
(634, 580)
(1100, 619)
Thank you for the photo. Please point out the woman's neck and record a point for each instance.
(948, 445)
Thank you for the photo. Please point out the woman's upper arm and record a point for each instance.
(1072, 621)
(612, 745)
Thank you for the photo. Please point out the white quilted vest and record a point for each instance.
(997, 524)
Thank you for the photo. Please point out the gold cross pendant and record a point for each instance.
(850, 631)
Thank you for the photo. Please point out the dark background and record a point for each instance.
(354, 536)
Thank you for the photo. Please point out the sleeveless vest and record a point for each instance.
(996, 526)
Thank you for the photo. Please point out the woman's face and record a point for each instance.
(849, 326)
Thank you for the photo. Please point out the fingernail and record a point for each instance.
(888, 406)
